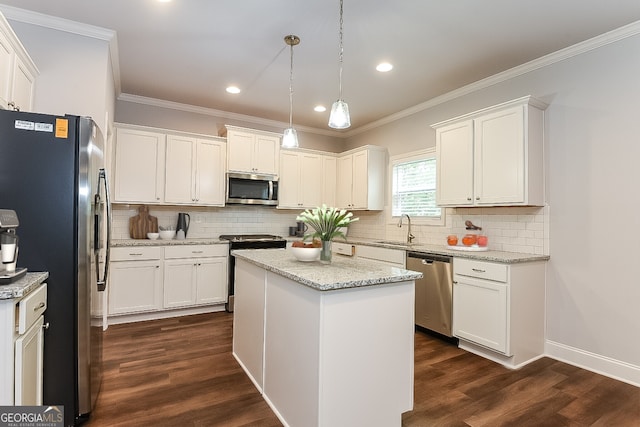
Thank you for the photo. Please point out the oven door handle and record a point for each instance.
(270, 190)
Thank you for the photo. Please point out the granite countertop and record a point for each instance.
(342, 273)
(493, 256)
(119, 243)
(22, 287)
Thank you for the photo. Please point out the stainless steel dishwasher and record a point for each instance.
(434, 292)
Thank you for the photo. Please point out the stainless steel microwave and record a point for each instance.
(252, 189)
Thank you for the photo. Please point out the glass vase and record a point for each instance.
(325, 252)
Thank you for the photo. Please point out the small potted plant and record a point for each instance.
(327, 224)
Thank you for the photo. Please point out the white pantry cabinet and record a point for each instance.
(136, 280)
(195, 275)
(301, 179)
(498, 309)
(360, 178)
(139, 166)
(252, 151)
(17, 71)
(195, 171)
(492, 157)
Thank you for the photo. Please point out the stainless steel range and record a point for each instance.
(247, 241)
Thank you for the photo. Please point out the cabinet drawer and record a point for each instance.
(136, 253)
(31, 307)
(343, 248)
(389, 256)
(480, 269)
(195, 251)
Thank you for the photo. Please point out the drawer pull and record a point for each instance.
(135, 254)
(45, 326)
(478, 270)
(196, 252)
(38, 307)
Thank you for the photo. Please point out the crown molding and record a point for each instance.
(154, 102)
(613, 36)
(72, 27)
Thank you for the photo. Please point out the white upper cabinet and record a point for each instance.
(139, 166)
(360, 179)
(301, 179)
(252, 151)
(194, 173)
(17, 71)
(492, 157)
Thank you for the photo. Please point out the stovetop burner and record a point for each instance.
(250, 237)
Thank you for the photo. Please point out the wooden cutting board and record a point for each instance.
(142, 224)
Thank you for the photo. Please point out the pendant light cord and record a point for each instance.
(291, 89)
(341, 54)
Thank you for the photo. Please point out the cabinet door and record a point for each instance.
(500, 157)
(360, 180)
(6, 70)
(288, 186)
(454, 164)
(139, 166)
(480, 312)
(179, 282)
(329, 180)
(179, 175)
(135, 286)
(23, 83)
(310, 179)
(209, 172)
(240, 147)
(345, 182)
(211, 280)
(266, 154)
(28, 366)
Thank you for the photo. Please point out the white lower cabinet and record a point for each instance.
(498, 309)
(394, 257)
(22, 348)
(136, 280)
(195, 275)
(153, 280)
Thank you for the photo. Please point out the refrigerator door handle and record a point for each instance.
(102, 283)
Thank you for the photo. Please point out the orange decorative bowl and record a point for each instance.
(469, 239)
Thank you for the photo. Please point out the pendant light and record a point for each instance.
(339, 117)
(290, 136)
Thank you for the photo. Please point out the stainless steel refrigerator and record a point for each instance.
(52, 175)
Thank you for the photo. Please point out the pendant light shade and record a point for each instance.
(339, 117)
(290, 136)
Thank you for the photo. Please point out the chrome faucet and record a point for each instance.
(410, 236)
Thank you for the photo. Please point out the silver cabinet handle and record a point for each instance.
(38, 307)
(45, 326)
(135, 254)
(477, 270)
(196, 252)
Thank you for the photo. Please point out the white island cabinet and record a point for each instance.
(327, 345)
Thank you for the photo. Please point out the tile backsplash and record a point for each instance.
(510, 229)
(212, 222)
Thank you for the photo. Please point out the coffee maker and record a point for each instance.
(9, 247)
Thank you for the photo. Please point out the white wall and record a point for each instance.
(592, 126)
(75, 76)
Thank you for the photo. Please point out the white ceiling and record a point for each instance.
(188, 51)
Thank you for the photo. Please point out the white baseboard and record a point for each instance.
(163, 314)
(603, 365)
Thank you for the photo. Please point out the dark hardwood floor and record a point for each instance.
(180, 372)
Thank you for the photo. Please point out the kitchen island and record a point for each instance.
(327, 345)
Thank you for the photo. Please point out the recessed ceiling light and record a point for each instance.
(164, 1)
(320, 108)
(383, 67)
(233, 89)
